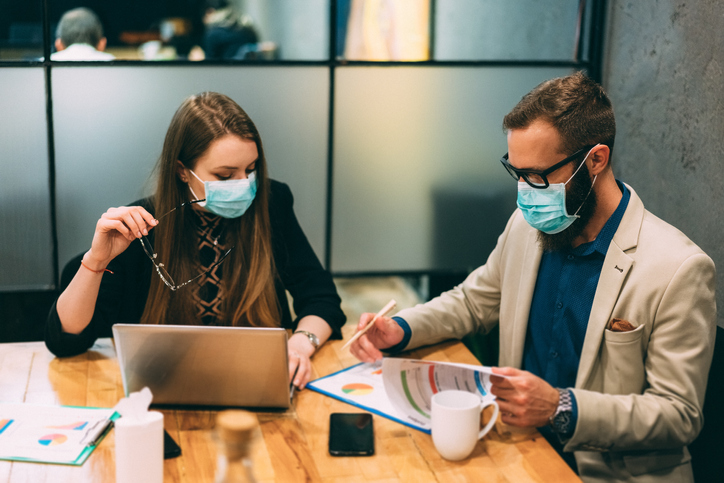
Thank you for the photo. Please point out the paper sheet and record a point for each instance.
(52, 434)
(402, 389)
(410, 385)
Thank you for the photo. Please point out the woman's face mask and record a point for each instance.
(229, 198)
(545, 209)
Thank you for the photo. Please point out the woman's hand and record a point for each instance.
(300, 354)
(115, 231)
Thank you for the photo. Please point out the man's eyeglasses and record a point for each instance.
(161, 270)
(536, 178)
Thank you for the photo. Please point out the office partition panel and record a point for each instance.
(495, 30)
(110, 124)
(26, 248)
(418, 185)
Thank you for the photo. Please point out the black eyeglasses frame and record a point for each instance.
(526, 173)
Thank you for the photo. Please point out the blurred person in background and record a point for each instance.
(227, 31)
(79, 37)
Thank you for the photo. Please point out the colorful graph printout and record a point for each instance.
(401, 389)
(53, 439)
(342, 385)
(50, 434)
(4, 423)
(357, 389)
(80, 425)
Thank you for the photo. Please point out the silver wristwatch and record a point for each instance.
(561, 419)
(313, 339)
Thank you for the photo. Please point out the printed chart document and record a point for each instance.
(51, 434)
(402, 389)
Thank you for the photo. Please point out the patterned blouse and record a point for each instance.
(208, 293)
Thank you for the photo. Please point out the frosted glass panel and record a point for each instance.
(495, 30)
(300, 28)
(417, 180)
(26, 260)
(110, 123)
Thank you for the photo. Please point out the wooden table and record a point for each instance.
(290, 446)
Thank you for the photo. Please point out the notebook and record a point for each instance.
(205, 366)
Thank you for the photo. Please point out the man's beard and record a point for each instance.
(576, 196)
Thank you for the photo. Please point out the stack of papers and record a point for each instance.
(51, 434)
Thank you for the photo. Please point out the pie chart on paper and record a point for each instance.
(357, 389)
(53, 439)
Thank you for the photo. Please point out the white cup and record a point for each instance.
(456, 422)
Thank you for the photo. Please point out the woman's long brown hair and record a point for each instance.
(249, 272)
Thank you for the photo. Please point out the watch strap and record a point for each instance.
(561, 419)
(313, 339)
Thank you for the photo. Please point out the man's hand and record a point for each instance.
(524, 399)
(386, 333)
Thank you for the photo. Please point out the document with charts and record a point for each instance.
(402, 389)
(51, 434)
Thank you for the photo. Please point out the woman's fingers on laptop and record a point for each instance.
(300, 368)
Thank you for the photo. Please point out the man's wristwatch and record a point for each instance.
(313, 339)
(561, 419)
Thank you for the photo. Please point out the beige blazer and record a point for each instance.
(639, 393)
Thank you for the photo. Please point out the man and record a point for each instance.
(606, 313)
(227, 31)
(80, 37)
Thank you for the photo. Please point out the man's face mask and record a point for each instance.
(545, 209)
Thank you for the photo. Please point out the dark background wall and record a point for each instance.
(663, 71)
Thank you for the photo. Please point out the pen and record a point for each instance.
(390, 305)
(96, 431)
(293, 387)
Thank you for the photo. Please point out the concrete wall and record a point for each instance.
(663, 71)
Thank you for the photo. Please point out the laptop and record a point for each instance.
(205, 366)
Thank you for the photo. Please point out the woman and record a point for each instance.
(222, 251)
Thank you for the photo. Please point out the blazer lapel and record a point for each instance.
(616, 267)
(529, 274)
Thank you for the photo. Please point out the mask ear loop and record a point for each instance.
(584, 199)
(201, 203)
(589, 191)
(574, 173)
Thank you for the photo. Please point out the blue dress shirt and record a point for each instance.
(561, 306)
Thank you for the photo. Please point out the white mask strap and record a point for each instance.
(195, 176)
(201, 203)
(579, 166)
(584, 199)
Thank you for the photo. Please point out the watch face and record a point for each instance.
(562, 421)
(314, 340)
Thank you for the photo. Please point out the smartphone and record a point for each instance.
(351, 434)
(170, 448)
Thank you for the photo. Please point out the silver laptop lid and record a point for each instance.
(207, 366)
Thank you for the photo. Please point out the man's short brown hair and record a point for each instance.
(576, 106)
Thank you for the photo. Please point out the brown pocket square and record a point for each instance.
(620, 325)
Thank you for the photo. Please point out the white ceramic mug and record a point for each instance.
(456, 422)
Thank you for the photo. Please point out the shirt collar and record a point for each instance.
(603, 240)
